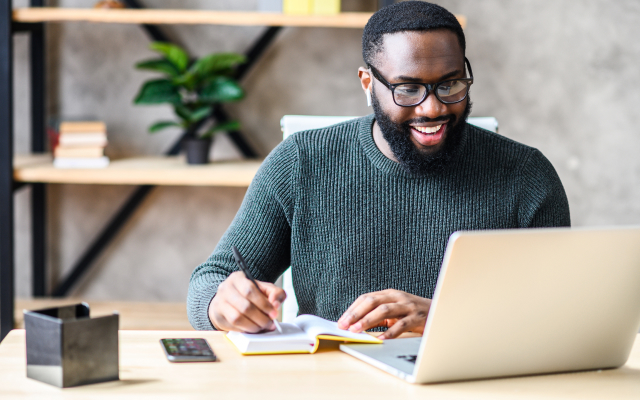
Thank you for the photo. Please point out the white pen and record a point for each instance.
(243, 267)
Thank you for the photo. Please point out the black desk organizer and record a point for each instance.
(66, 347)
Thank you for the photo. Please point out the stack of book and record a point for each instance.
(81, 145)
(300, 7)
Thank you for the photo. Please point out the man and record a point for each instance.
(362, 211)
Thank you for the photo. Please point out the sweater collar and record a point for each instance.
(384, 164)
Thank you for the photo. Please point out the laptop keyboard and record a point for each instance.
(409, 357)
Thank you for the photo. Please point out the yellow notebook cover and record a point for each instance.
(303, 335)
(300, 7)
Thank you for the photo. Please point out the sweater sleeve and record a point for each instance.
(543, 201)
(261, 230)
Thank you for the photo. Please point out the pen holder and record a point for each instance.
(66, 347)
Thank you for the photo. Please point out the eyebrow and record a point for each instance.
(403, 78)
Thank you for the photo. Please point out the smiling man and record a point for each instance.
(362, 211)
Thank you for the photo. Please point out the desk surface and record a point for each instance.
(134, 315)
(145, 373)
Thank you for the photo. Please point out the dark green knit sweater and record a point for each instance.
(350, 221)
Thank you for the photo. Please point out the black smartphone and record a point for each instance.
(187, 350)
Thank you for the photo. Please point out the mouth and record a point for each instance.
(429, 135)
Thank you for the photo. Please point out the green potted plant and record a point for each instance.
(194, 88)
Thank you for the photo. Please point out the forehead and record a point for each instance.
(420, 54)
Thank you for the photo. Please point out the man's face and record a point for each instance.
(425, 57)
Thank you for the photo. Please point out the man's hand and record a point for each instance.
(399, 311)
(240, 306)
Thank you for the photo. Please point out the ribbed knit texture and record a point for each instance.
(350, 221)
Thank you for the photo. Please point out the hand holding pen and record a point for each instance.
(243, 267)
(244, 304)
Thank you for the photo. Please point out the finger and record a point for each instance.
(349, 316)
(403, 325)
(378, 316)
(363, 306)
(217, 320)
(275, 295)
(225, 317)
(227, 305)
(360, 307)
(249, 291)
(352, 307)
(236, 321)
(249, 310)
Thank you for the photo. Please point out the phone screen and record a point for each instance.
(185, 350)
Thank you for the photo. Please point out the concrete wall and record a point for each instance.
(560, 76)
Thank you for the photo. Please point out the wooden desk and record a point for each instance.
(134, 315)
(329, 374)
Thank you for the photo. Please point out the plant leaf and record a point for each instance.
(156, 92)
(222, 89)
(182, 112)
(188, 80)
(160, 125)
(160, 65)
(228, 126)
(217, 62)
(176, 55)
(200, 113)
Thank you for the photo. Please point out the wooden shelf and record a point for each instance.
(159, 16)
(171, 171)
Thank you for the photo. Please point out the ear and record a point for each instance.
(365, 78)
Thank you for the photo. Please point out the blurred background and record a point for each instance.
(559, 76)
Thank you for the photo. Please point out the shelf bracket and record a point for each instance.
(135, 199)
(20, 27)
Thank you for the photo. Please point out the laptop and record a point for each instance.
(523, 302)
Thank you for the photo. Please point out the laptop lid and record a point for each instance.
(531, 301)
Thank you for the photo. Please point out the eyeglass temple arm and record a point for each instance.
(379, 77)
(466, 60)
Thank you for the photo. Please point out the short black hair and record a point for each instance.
(407, 16)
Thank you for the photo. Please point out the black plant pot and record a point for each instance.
(197, 150)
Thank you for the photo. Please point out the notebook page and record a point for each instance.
(315, 326)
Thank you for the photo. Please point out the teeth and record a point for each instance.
(426, 129)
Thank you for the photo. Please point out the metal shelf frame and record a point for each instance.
(36, 32)
(6, 170)
(7, 186)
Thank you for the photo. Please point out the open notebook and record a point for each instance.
(303, 335)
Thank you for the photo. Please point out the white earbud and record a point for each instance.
(368, 93)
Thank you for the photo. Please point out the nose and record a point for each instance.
(431, 107)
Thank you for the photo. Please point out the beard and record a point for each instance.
(412, 159)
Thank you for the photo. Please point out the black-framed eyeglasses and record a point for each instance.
(411, 94)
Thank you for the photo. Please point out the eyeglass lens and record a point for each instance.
(447, 92)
